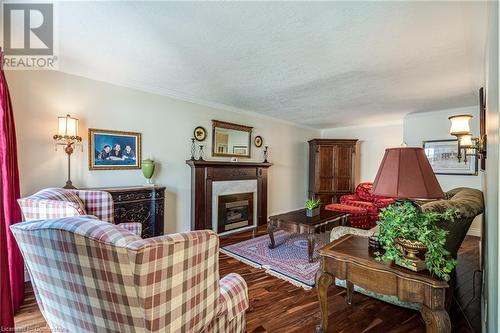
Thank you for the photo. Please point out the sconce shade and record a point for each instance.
(405, 173)
(67, 126)
(466, 141)
(460, 124)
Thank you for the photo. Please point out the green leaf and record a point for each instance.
(405, 221)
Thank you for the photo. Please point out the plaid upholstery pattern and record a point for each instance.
(233, 295)
(51, 203)
(81, 274)
(134, 227)
(91, 276)
(57, 202)
(98, 203)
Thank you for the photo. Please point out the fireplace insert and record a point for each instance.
(235, 211)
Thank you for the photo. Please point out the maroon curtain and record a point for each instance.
(12, 268)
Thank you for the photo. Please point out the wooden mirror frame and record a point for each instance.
(243, 128)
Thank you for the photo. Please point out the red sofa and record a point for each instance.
(363, 206)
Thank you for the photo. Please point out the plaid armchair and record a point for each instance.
(91, 276)
(53, 203)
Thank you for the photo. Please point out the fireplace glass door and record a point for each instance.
(235, 211)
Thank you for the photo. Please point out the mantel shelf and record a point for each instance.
(196, 164)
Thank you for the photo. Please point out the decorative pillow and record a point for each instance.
(51, 203)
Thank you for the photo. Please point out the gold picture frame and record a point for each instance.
(114, 150)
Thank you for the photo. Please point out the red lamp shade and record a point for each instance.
(405, 173)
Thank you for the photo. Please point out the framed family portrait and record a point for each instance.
(442, 155)
(114, 150)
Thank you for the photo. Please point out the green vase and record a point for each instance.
(148, 169)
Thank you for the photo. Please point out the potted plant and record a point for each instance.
(312, 207)
(407, 234)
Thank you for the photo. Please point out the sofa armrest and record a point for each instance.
(345, 199)
(233, 298)
(338, 232)
(134, 227)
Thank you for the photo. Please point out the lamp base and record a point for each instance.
(69, 185)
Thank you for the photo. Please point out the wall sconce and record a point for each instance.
(467, 145)
(67, 136)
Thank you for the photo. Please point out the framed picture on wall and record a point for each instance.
(442, 155)
(114, 150)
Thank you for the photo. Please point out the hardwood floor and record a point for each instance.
(278, 306)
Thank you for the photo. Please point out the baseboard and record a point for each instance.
(474, 232)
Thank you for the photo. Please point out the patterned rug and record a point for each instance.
(288, 260)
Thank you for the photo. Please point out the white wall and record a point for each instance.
(491, 295)
(435, 125)
(373, 140)
(166, 125)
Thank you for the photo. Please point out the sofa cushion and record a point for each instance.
(51, 203)
(352, 210)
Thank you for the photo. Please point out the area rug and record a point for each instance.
(288, 260)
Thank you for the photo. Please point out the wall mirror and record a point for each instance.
(230, 140)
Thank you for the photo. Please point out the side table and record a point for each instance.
(348, 258)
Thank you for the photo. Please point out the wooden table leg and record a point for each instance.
(270, 231)
(344, 221)
(350, 291)
(437, 321)
(310, 246)
(323, 281)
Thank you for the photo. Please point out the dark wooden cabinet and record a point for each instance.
(331, 168)
(143, 204)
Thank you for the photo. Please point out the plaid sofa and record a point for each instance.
(54, 203)
(92, 276)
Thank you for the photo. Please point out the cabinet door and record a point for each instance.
(327, 198)
(326, 172)
(343, 169)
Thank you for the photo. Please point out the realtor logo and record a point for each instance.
(28, 29)
(28, 36)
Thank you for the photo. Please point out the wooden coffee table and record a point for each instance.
(348, 258)
(298, 222)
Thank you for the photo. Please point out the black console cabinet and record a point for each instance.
(143, 204)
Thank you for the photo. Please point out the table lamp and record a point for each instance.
(406, 174)
(67, 136)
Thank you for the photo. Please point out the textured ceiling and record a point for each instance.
(319, 64)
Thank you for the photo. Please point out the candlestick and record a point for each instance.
(200, 158)
(193, 149)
